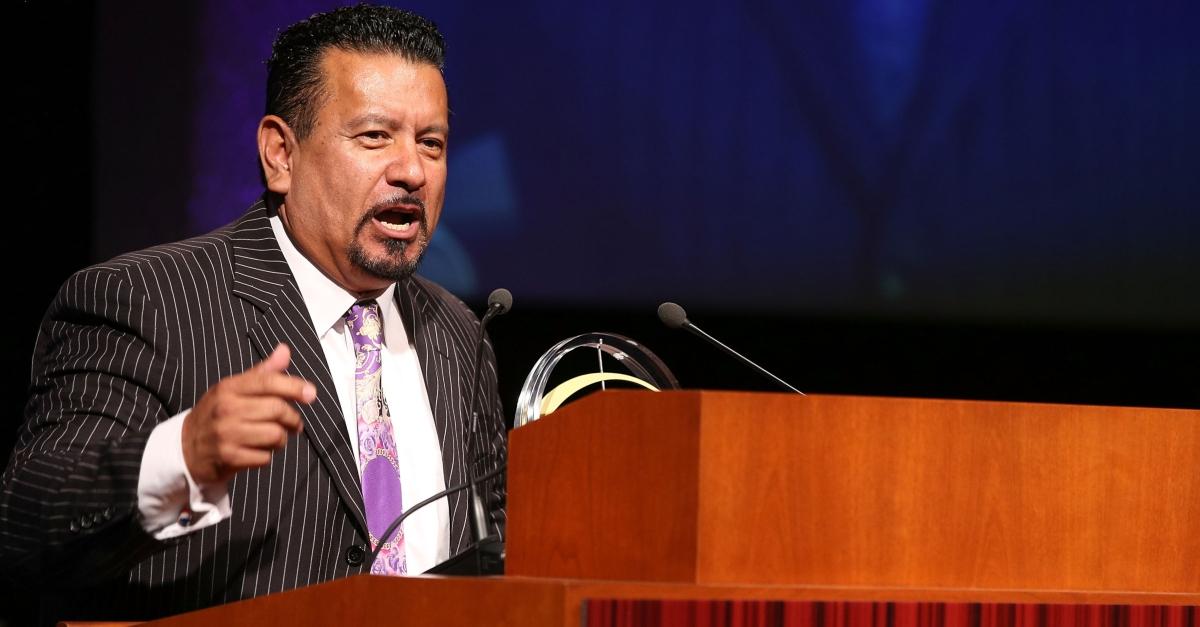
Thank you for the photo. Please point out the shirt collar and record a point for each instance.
(327, 302)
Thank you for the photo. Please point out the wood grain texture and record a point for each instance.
(378, 600)
(854, 491)
(609, 499)
(532, 602)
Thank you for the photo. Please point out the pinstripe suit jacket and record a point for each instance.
(131, 342)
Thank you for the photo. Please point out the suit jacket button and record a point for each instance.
(85, 521)
(108, 512)
(355, 555)
(74, 526)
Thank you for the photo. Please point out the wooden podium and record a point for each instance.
(720, 487)
(739, 497)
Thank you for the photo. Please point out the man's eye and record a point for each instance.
(374, 136)
(432, 144)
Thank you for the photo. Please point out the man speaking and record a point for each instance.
(245, 412)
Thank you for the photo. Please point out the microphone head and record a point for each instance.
(672, 315)
(500, 300)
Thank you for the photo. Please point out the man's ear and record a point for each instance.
(275, 145)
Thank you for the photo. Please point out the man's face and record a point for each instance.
(367, 185)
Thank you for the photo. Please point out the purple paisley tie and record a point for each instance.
(376, 444)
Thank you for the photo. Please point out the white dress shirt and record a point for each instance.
(172, 504)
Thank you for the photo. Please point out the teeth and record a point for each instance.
(394, 226)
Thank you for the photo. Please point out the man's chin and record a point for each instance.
(394, 267)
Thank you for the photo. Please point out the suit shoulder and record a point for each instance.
(171, 263)
(202, 249)
(437, 296)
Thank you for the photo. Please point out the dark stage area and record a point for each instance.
(106, 139)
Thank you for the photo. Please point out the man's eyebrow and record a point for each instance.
(371, 118)
(383, 120)
(440, 129)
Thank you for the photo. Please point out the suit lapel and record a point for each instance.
(439, 365)
(262, 278)
(443, 367)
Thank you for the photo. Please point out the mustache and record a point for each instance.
(402, 199)
(391, 202)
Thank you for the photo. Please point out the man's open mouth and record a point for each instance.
(399, 220)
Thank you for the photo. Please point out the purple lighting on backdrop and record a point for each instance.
(1025, 160)
(230, 78)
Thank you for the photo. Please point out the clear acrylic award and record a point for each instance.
(620, 361)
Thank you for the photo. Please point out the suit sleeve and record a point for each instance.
(69, 503)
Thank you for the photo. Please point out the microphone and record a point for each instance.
(387, 534)
(675, 317)
(485, 555)
(489, 549)
(498, 304)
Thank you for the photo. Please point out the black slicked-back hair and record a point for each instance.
(295, 85)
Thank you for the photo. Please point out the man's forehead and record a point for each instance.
(351, 78)
(341, 60)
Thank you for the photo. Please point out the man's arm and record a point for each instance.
(68, 504)
(69, 507)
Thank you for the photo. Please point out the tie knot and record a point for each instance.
(365, 327)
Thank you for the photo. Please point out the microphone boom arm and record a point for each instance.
(736, 355)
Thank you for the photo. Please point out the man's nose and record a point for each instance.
(406, 169)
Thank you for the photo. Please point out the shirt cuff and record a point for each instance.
(170, 502)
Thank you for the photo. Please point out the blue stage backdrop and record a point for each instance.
(1022, 160)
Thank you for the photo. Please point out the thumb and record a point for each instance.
(277, 361)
